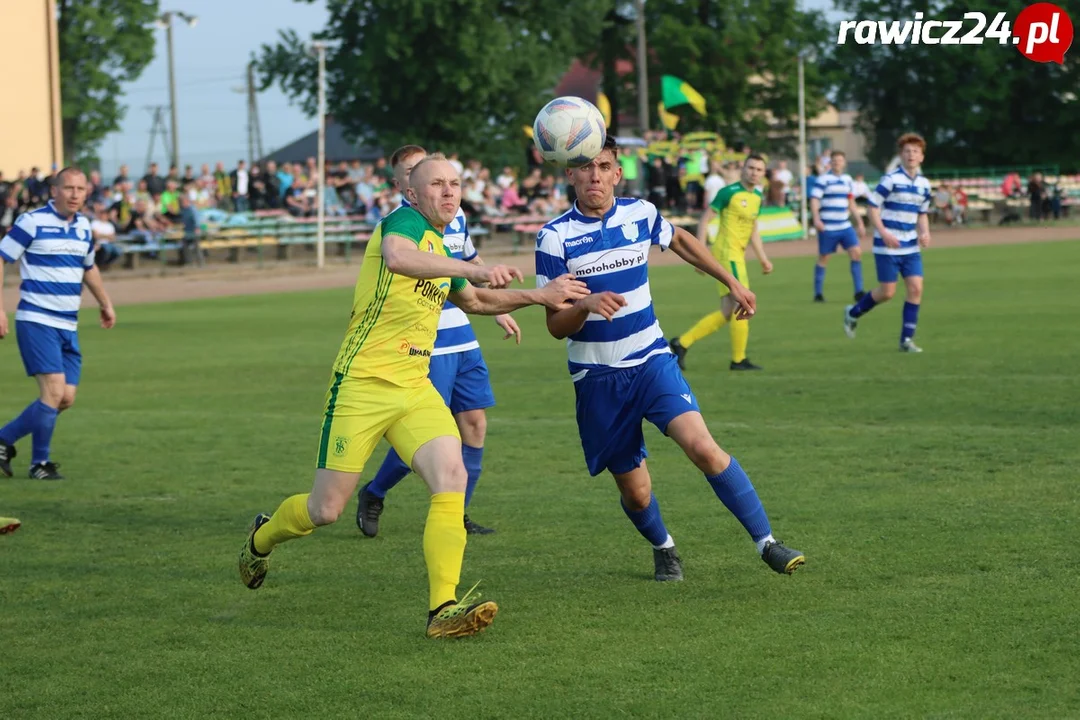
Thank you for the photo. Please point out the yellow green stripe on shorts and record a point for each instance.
(328, 421)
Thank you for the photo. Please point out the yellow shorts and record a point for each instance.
(360, 412)
(738, 269)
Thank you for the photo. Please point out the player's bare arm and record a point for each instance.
(506, 322)
(93, 282)
(703, 225)
(403, 257)
(922, 226)
(815, 213)
(3, 313)
(559, 294)
(759, 249)
(887, 237)
(694, 252)
(853, 213)
(562, 323)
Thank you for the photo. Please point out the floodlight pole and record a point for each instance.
(643, 70)
(802, 149)
(320, 233)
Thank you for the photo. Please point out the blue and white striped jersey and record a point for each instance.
(834, 192)
(455, 331)
(608, 254)
(54, 254)
(902, 198)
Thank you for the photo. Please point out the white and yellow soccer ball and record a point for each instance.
(569, 131)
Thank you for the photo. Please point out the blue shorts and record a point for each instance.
(46, 350)
(462, 380)
(889, 267)
(828, 240)
(612, 405)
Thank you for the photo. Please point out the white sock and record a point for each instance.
(669, 543)
(761, 543)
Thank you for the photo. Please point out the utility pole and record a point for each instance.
(157, 127)
(320, 233)
(802, 147)
(643, 70)
(255, 147)
(165, 21)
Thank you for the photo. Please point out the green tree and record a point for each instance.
(976, 105)
(102, 44)
(742, 56)
(458, 75)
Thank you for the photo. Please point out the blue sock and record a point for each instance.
(21, 426)
(856, 275)
(44, 424)
(648, 522)
(819, 279)
(735, 490)
(911, 319)
(864, 306)
(392, 471)
(473, 457)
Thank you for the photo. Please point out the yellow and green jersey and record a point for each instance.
(395, 318)
(737, 209)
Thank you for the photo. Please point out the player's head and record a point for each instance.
(403, 161)
(912, 148)
(68, 190)
(838, 162)
(753, 170)
(595, 182)
(435, 189)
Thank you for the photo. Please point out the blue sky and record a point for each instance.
(210, 64)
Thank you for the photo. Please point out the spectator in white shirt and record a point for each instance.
(240, 187)
(106, 250)
(713, 182)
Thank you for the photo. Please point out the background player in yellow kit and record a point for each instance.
(737, 206)
(380, 388)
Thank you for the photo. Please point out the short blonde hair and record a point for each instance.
(433, 157)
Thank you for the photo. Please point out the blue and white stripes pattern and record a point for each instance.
(902, 198)
(52, 254)
(834, 193)
(611, 254)
(455, 332)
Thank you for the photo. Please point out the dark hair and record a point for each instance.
(841, 153)
(403, 152)
(754, 156)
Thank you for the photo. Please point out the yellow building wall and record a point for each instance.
(30, 129)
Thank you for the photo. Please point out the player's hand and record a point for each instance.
(108, 317)
(746, 301)
(766, 267)
(924, 240)
(819, 226)
(3, 325)
(605, 304)
(498, 276)
(890, 240)
(562, 292)
(509, 326)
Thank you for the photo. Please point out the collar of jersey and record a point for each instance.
(51, 205)
(578, 215)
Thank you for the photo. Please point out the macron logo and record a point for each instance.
(688, 398)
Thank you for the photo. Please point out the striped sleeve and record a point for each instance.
(924, 207)
(660, 230)
(468, 250)
(877, 198)
(550, 259)
(18, 238)
(817, 190)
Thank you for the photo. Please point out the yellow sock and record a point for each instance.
(740, 336)
(705, 327)
(444, 546)
(290, 520)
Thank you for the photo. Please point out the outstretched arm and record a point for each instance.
(403, 257)
(560, 293)
(694, 252)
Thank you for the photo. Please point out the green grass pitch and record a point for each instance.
(935, 496)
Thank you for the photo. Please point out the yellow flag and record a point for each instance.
(528, 131)
(669, 120)
(604, 106)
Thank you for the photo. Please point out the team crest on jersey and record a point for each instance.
(744, 203)
(341, 446)
(630, 231)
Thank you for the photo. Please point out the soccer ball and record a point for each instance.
(569, 131)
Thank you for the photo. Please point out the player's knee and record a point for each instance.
(452, 478)
(886, 292)
(914, 294)
(707, 455)
(855, 253)
(66, 402)
(473, 427)
(636, 498)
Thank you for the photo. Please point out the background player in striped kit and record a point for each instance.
(458, 372)
(623, 371)
(832, 203)
(898, 212)
(55, 251)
